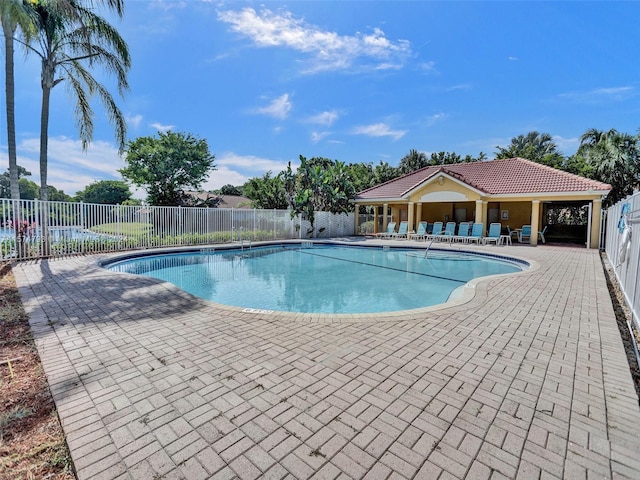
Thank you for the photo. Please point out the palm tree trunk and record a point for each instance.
(11, 117)
(44, 134)
(9, 29)
(47, 85)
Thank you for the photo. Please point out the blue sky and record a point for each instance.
(355, 81)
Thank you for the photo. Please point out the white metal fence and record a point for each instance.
(34, 229)
(623, 249)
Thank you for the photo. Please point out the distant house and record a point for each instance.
(219, 201)
(234, 201)
(512, 192)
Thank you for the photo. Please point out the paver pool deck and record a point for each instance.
(527, 379)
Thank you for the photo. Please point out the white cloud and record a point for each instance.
(429, 67)
(325, 118)
(278, 108)
(134, 120)
(168, 5)
(326, 50)
(69, 167)
(317, 136)
(600, 95)
(235, 169)
(101, 157)
(379, 130)
(162, 128)
(249, 164)
(567, 145)
(224, 176)
(460, 86)
(436, 117)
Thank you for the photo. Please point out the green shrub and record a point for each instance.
(366, 228)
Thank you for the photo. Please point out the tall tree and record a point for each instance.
(108, 192)
(13, 13)
(362, 176)
(266, 192)
(229, 189)
(615, 159)
(20, 14)
(412, 161)
(69, 45)
(5, 181)
(319, 184)
(167, 165)
(383, 172)
(535, 146)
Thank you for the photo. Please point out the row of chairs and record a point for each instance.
(468, 232)
(439, 232)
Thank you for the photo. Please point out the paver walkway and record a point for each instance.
(526, 380)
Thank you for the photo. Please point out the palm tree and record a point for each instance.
(615, 158)
(535, 146)
(412, 161)
(67, 47)
(13, 13)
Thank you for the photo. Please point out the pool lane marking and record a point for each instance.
(382, 266)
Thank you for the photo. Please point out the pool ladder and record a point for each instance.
(426, 252)
(242, 244)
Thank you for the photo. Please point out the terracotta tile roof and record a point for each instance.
(226, 201)
(495, 177)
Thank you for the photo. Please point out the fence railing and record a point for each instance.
(33, 229)
(623, 250)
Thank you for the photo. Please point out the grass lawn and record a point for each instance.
(133, 228)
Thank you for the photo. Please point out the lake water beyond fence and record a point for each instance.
(31, 229)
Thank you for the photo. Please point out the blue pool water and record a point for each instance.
(319, 279)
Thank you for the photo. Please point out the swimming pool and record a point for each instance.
(321, 278)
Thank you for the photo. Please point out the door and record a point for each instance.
(493, 215)
(460, 215)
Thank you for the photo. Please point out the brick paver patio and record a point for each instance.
(528, 379)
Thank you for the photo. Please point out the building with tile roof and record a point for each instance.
(513, 192)
(220, 201)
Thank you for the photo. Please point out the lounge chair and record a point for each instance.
(402, 230)
(477, 232)
(449, 232)
(463, 232)
(512, 233)
(437, 230)
(541, 234)
(391, 228)
(421, 233)
(525, 233)
(494, 234)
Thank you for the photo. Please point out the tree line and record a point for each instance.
(608, 156)
(169, 164)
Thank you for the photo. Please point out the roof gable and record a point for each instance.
(494, 177)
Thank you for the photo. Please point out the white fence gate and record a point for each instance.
(34, 229)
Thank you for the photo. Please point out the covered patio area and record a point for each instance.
(513, 192)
